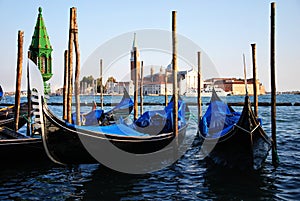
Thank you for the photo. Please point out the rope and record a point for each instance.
(28, 120)
(250, 132)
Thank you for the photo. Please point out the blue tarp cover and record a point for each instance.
(93, 117)
(89, 119)
(218, 120)
(116, 129)
(124, 104)
(162, 118)
(149, 118)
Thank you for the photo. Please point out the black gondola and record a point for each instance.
(1, 93)
(69, 144)
(233, 140)
(17, 148)
(7, 116)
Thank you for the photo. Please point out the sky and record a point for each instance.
(224, 30)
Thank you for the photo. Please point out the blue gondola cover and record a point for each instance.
(218, 119)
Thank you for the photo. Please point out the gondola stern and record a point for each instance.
(43, 108)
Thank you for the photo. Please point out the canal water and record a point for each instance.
(186, 179)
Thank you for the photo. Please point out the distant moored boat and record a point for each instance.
(207, 92)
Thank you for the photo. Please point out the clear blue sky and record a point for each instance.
(223, 29)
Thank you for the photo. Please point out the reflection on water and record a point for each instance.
(187, 179)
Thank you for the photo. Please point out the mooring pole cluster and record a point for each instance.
(68, 73)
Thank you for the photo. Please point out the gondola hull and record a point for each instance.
(243, 145)
(239, 150)
(7, 116)
(67, 145)
(10, 122)
(17, 148)
(21, 150)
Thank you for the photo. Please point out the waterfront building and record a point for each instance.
(235, 86)
(155, 82)
(118, 87)
(188, 81)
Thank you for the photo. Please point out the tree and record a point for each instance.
(98, 85)
(111, 79)
(89, 80)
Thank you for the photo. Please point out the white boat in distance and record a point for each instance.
(206, 92)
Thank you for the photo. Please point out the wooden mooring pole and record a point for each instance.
(255, 94)
(18, 79)
(199, 87)
(73, 38)
(28, 129)
(166, 87)
(70, 67)
(101, 83)
(175, 69)
(141, 89)
(275, 159)
(136, 89)
(77, 69)
(66, 86)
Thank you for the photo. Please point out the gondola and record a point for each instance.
(7, 116)
(70, 144)
(100, 117)
(1, 93)
(16, 148)
(233, 140)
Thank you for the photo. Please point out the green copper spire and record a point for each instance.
(41, 49)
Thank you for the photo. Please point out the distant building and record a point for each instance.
(157, 88)
(59, 92)
(118, 87)
(155, 82)
(188, 81)
(235, 86)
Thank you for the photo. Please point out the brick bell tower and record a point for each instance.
(40, 50)
(132, 71)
